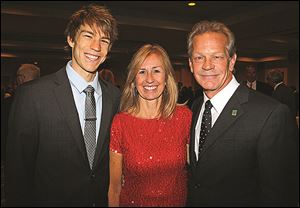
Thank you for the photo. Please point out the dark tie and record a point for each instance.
(205, 124)
(90, 124)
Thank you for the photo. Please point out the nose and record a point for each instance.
(95, 45)
(149, 77)
(208, 64)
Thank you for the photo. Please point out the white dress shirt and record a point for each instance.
(218, 101)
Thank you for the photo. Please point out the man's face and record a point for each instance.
(89, 50)
(210, 63)
(251, 73)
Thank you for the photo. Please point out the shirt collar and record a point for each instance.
(277, 85)
(79, 83)
(254, 82)
(221, 98)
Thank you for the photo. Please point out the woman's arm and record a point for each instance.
(115, 183)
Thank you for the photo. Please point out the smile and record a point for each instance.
(92, 57)
(150, 87)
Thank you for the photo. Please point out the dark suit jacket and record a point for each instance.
(285, 95)
(248, 159)
(263, 87)
(47, 164)
(5, 109)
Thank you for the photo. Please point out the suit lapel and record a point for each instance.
(196, 111)
(64, 96)
(230, 114)
(105, 121)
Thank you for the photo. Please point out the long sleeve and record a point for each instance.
(21, 149)
(278, 157)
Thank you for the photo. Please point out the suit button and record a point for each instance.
(197, 186)
(93, 176)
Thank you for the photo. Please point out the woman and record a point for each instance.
(149, 136)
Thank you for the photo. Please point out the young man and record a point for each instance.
(245, 150)
(57, 153)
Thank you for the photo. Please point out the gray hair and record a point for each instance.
(211, 26)
(31, 70)
(275, 76)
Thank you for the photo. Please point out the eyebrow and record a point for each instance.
(92, 33)
(154, 67)
(212, 53)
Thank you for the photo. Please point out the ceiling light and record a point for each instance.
(192, 3)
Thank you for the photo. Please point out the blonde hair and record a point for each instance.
(130, 98)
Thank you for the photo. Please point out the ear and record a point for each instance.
(232, 62)
(191, 65)
(70, 42)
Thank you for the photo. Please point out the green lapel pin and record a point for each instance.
(234, 112)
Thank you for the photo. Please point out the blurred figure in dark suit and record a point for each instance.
(296, 96)
(254, 84)
(25, 73)
(281, 92)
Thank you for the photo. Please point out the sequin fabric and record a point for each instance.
(154, 158)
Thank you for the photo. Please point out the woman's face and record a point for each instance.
(151, 78)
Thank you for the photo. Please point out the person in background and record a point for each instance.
(27, 72)
(254, 84)
(58, 140)
(281, 92)
(107, 75)
(149, 137)
(296, 95)
(245, 151)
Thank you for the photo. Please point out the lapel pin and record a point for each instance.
(234, 112)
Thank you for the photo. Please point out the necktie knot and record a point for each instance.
(89, 90)
(208, 105)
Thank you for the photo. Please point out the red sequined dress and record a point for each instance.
(154, 158)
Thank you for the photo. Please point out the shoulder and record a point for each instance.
(196, 104)
(246, 95)
(260, 104)
(183, 111)
(263, 84)
(37, 86)
(121, 116)
(261, 98)
(112, 90)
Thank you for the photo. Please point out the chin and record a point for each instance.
(152, 97)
